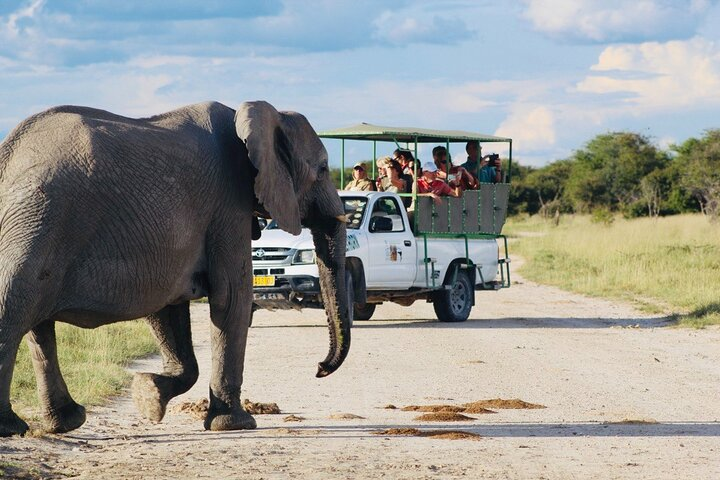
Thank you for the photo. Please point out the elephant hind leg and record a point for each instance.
(60, 411)
(14, 323)
(152, 392)
(10, 423)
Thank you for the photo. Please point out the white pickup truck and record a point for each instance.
(386, 261)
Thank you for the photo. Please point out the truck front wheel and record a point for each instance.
(454, 303)
(364, 312)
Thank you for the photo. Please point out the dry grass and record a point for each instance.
(668, 265)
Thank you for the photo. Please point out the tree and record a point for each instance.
(698, 162)
(522, 198)
(548, 185)
(609, 170)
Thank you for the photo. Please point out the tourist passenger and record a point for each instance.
(406, 159)
(429, 183)
(360, 181)
(382, 179)
(392, 181)
(459, 177)
(480, 167)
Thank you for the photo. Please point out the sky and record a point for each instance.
(550, 74)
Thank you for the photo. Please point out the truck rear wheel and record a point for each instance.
(364, 312)
(454, 304)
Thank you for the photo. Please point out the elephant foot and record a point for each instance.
(239, 419)
(11, 424)
(147, 393)
(67, 418)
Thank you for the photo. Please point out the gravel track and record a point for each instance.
(627, 396)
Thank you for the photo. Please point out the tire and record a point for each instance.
(350, 295)
(364, 312)
(455, 303)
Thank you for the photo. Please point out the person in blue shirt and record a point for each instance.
(482, 168)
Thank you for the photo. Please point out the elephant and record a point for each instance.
(105, 218)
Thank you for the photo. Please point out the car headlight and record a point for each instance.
(304, 257)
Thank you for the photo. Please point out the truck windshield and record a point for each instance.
(354, 209)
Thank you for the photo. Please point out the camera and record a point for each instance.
(493, 157)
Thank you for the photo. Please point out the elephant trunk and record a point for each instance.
(330, 244)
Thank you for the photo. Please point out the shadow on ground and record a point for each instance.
(499, 430)
(511, 322)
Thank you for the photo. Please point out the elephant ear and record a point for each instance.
(259, 126)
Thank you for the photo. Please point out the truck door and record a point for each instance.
(392, 259)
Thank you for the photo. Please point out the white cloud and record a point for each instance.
(155, 61)
(656, 75)
(402, 27)
(532, 127)
(13, 24)
(617, 20)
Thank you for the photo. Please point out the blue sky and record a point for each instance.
(551, 74)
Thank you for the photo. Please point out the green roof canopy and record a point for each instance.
(366, 131)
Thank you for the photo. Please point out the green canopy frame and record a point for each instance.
(482, 216)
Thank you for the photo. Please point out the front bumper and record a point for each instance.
(289, 293)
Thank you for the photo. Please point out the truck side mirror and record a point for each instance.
(381, 224)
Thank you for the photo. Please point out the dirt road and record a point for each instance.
(626, 397)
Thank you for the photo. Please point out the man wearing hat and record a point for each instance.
(360, 181)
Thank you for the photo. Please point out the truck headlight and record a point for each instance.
(304, 257)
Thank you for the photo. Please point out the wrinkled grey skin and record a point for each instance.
(105, 218)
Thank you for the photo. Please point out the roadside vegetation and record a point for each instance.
(667, 265)
(92, 362)
(624, 173)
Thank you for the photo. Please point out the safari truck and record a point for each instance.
(445, 252)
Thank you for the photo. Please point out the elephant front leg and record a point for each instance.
(152, 392)
(60, 411)
(230, 317)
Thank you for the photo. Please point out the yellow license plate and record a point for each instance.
(264, 281)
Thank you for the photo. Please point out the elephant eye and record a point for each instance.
(323, 168)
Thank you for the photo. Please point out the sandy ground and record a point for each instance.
(626, 396)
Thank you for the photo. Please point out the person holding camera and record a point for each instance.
(487, 169)
(458, 176)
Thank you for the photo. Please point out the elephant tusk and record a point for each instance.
(343, 218)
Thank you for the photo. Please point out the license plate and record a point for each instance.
(264, 281)
(268, 296)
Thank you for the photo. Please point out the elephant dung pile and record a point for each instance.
(502, 404)
(199, 408)
(257, 408)
(479, 407)
(444, 417)
(436, 434)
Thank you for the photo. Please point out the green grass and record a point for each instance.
(669, 265)
(92, 362)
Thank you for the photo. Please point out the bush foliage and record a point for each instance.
(624, 172)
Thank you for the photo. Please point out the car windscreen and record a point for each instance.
(354, 209)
